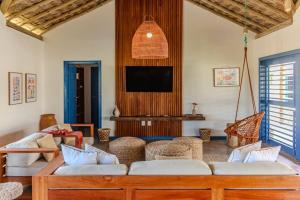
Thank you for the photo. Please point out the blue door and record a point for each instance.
(280, 100)
(70, 95)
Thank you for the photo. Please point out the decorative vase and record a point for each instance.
(47, 120)
(116, 112)
(195, 109)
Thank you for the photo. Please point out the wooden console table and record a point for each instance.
(198, 117)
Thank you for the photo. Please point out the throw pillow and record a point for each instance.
(102, 156)
(266, 154)
(47, 142)
(65, 127)
(239, 154)
(75, 156)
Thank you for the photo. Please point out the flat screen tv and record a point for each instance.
(149, 79)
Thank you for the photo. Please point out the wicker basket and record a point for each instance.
(168, 149)
(205, 134)
(128, 149)
(103, 134)
(195, 143)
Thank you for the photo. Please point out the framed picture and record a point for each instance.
(31, 87)
(15, 88)
(227, 77)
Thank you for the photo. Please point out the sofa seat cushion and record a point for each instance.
(71, 141)
(24, 159)
(170, 167)
(27, 171)
(256, 168)
(77, 170)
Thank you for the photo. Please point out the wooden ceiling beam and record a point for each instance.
(72, 12)
(220, 15)
(29, 9)
(232, 14)
(47, 12)
(75, 16)
(253, 12)
(18, 28)
(266, 6)
(275, 28)
(5, 5)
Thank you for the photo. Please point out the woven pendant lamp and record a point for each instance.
(149, 42)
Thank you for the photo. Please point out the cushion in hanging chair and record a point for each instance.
(247, 130)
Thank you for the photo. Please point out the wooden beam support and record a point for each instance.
(18, 28)
(223, 16)
(275, 28)
(5, 5)
(229, 14)
(72, 17)
(47, 12)
(29, 9)
(252, 12)
(271, 8)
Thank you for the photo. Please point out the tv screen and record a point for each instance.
(149, 79)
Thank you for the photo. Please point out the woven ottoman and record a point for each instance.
(161, 150)
(11, 190)
(128, 149)
(195, 143)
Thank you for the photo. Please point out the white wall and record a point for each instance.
(24, 54)
(210, 42)
(90, 37)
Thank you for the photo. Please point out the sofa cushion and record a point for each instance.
(265, 154)
(28, 170)
(239, 154)
(92, 170)
(102, 156)
(256, 168)
(71, 141)
(24, 159)
(75, 156)
(47, 142)
(170, 167)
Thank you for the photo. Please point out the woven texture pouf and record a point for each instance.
(195, 143)
(128, 149)
(168, 149)
(11, 190)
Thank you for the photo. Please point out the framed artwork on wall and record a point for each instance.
(227, 77)
(31, 87)
(15, 88)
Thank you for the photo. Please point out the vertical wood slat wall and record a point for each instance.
(168, 15)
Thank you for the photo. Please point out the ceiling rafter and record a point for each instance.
(47, 12)
(232, 14)
(36, 17)
(253, 12)
(28, 9)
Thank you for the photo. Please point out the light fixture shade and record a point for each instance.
(149, 42)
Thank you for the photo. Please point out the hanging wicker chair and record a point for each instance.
(246, 130)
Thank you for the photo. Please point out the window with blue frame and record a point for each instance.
(279, 97)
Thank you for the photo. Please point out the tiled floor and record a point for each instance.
(213, 151)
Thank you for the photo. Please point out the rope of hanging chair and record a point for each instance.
(245, 64)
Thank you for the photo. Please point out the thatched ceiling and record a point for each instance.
(36, 17)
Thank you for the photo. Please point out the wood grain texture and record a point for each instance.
(168, 15)
(86, 194)
(261, 194)
(173, 194)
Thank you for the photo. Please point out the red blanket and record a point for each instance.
(65, 133)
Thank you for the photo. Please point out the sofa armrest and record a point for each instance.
(52, 166)
(91, 126)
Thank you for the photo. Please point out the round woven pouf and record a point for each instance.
(195, 143)
(168, 149)
(128, 149)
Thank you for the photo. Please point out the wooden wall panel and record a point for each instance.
(168, 15)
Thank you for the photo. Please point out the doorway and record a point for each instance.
(82, 92)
